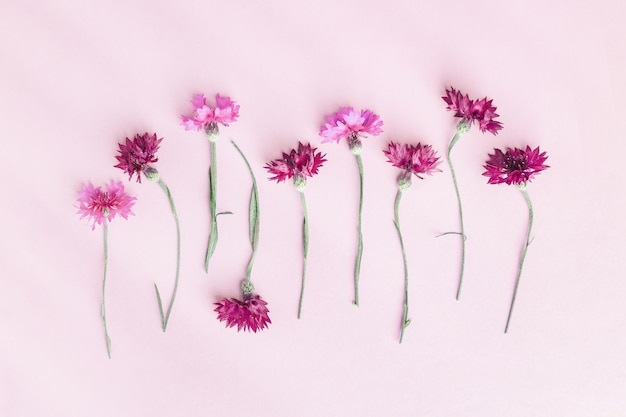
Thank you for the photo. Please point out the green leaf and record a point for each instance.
(223, 212)
(160, 306)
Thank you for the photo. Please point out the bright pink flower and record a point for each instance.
(515, 166)
(304, 161)
(136, 154)
(481, 111)
(414, 159)
(226, 111)
(99, 205)
(347, 123)
(250, 314)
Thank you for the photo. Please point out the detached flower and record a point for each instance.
(298, 164)
(134, 157)
(207, 118)
(98, 206)
(249, 314)
(252, 312)
(483, 113)
(516, 166)
(415, 160)
(353, 125)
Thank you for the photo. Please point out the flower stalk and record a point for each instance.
(522, 188)
(359, 249)
(166, 317)
(103, 314)
(453, 142)
(305, 249)
(405, 310)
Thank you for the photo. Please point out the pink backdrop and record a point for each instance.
(77, 77)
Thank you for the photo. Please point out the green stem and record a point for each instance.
(165, 318)
(213, 204)
(305, 247)
(107, 339)
(254, 216)
(359, 253)
(396, 222)
(523, 257)
(455, 139)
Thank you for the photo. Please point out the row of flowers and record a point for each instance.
(137, 156)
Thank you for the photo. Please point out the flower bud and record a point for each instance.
(213, 131)
(463, 127)
(355, 144)
(300, 182)
(404, 181)
(151, 174)
(105, 212)
(247, 289)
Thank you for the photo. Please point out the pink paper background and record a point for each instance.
(77, 77)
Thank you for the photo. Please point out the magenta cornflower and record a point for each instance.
(208, 118)
(136, 154)
(482, 112)
(412, 160)
(98, 205)
(249, 314)
(298, 164)
(304, 161)
(516, 166)
(252, 312)
(353, 125)
(135, 157)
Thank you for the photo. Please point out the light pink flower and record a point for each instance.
(350, 124)
(98, 204)
(481, 111)
(515, 166)
(226, 111)
(304, 160)
(136, 154)
(413, 159)
(249, 314)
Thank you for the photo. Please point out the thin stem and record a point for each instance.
(305, 247)
(165, 319)
(213, 204)
(453, 142)
(254, 216)
(359, 253)
(523, 257)
(405, 311)
(107, 339)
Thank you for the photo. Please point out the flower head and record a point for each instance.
(480, 111)
(225, 111)
(136, 154)
(249, 314)
(515, 166)
(98, 204)
(304, 162)
(350, 124)
(413, 159)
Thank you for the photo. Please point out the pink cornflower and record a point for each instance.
(350, 124)
(137, 153)
(481, 111)
(413, 159)
(515, 166)
(99, 205)
(226, 111)
(304, 161)
(249, 314)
